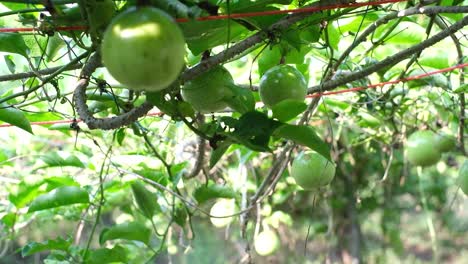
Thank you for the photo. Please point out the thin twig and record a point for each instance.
(392, 60)
(100, 204)
(47, 79)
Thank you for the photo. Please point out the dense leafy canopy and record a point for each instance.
(101, 170)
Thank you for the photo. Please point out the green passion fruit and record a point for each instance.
(445, 143)
(312, 170)
(144, 49)
(207, 91)
(280, 83)
(266, 243)
(420, 148)
(463, 177)
(222, 207)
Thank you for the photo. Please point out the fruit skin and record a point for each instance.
(421, 150)
(144, 49)
(266, 243)
(463, 177)
(222, 207)
(312, 170)
(207, 91)
(280, 83)
(444, 142)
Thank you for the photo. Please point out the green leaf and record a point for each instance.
(65, 128)
(15, 117)
(435, 58)
(24, 194)
(249, 5)
(54, 44)
(107, 255)
(128, 231)
(253, 130)
(4, 159)
(311, 34)
(10, 63)
(35, 117)
(9, 220)
(204, 35)
(13, 43)
(145, 200)
(293, 38)
(332, 36)
(269, 58)
(304, 135)
(177, 170)
(288, 109)
(36, 45)
(158, 99)
(368, 120)
(404, 33)
(55, 182)
(213, 191)
(51, 244)
(240, 99)
(61, 196)
(358, 22)
(218, 152)
(154, 175)
(185, 109)
(462, 89)
(332, 104)
(438, 80)
(180, 215)
(53, 159)
(170, 107)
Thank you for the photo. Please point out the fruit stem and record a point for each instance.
(429, 222)
(282, 59)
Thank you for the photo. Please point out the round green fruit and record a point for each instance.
(421, 150)
(445, 143)
(266, 243)
(223, 207)
(463, 177)
(312, 170)
(144, 49)
(280, 83)
(207, 91)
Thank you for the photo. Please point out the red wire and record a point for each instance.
(237, 15)
(290, 11)
(415, 77)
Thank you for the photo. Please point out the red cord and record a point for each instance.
(415, 77)
(237, 15)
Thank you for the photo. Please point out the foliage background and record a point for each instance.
(378, 209)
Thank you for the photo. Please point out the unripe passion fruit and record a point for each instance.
(144, 49)
(463, 177)
(223, 207)
(207, 91)
(421, 150)
(266, 243)
(280, 83)
(444, 142)
(312, 170)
